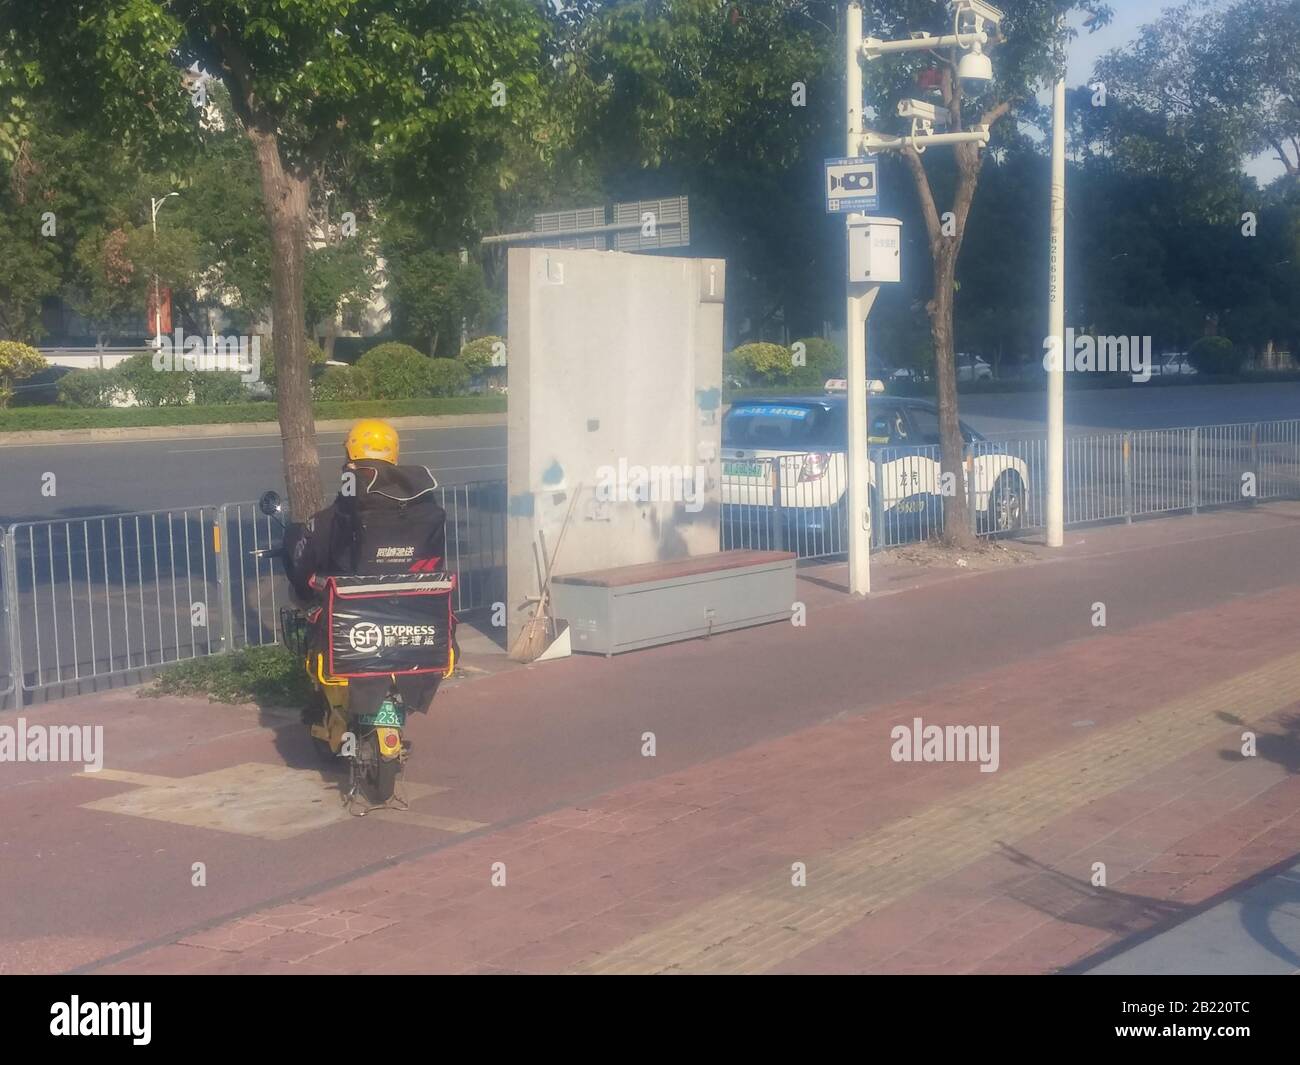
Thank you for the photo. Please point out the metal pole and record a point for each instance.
(157, 306)
(858, 303)
(13, 609)
(1056, 325)
(224, 557)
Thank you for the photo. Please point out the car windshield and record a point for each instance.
(786, 426)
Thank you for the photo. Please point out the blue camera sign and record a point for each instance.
(852, 185)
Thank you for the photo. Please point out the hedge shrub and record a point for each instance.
(445, 377)
(822, 361)
(343, 384)
(396, 371)
(761, 363)
(399, 371)
(153, 388)
(17, 361)
(212, 387)
(89, 388)
(477, 355)
(1216, 355)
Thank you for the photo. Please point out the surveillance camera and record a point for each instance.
(923, 110)
(984, 13)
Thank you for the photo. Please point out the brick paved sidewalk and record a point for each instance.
(1122, 751)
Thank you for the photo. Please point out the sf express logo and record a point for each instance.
(365, 637)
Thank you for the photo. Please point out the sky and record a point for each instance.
(1130, 16)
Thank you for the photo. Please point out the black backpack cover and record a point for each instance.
(398, 525)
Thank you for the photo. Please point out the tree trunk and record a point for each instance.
(952, 448)
(285, 194)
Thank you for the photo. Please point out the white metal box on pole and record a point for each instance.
(875, 250)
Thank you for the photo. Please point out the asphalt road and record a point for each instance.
(108, 477)
(112, 477)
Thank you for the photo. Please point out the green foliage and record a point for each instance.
(339, 277)
(315, 362)
(212, 387)
(29, 272)
(1216, 355)
(446, 377)
(89, 388)
(433, 294)
(150, 387)
(268, 676)
(1201, 88)
(396, 371)
(17, 361)
(822, 360)
(29, 419)
(477, 355)
(116, 269)
(761, 363)
(410, 92)
(343, 383)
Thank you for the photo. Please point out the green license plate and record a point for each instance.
(742, 469)
(388, 714)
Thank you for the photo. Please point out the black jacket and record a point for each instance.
(385, 519)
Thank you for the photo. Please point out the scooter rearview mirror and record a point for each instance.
(270, 504)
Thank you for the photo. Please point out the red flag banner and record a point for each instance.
(165, 300)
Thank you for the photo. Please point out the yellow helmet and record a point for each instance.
(371, 438)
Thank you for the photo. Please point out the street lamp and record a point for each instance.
(154, 204)
(971, 20)
(1056, 319)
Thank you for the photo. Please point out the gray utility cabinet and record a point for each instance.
(630, 607)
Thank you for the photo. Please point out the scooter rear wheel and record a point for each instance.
(379, 775)
(386, 779)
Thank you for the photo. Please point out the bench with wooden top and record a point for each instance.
(630, 607)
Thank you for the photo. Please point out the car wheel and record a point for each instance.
(1006, 511)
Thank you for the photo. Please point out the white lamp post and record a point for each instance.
(154, 204)
(1056, 327)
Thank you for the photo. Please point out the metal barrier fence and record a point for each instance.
(90, 597)
(8, 629)
(103, 596)
(798, 502)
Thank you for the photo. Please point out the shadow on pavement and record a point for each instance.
(1283, 750)
(1076, 901)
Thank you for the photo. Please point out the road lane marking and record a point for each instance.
(758, 927)
(340, 433)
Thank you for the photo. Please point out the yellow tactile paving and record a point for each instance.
(756, 928)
